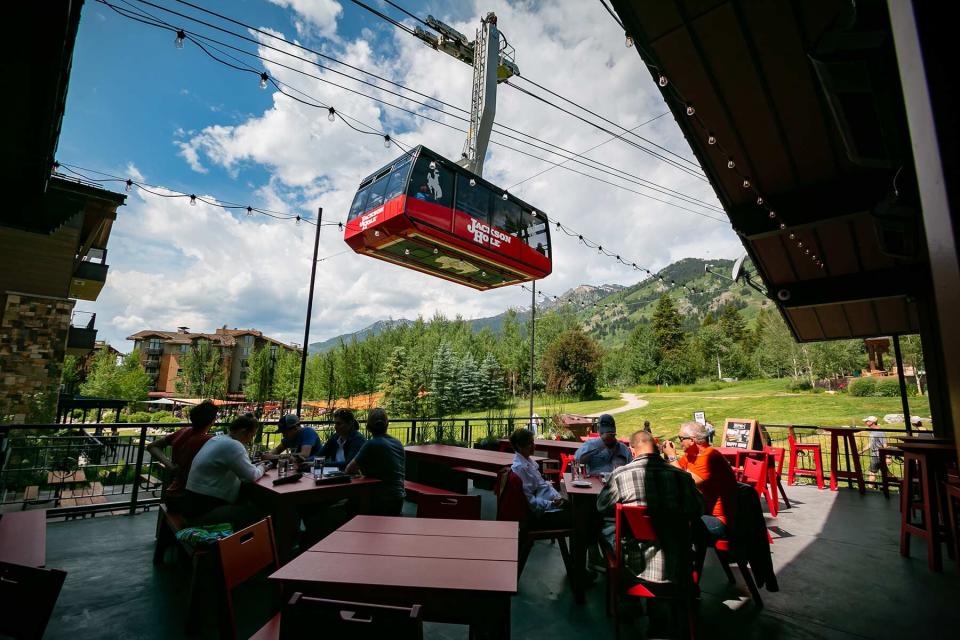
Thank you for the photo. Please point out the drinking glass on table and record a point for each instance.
(318, 468)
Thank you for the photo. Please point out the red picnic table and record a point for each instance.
(23, 538)
(458, 571)
(449, 467)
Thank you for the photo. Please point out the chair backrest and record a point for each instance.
(754, 471)
(778, 455)
(305, 615)
(511, 503)
(565, 460)
(633, 521)
(28, 595)
(242, 556)
(457, 507)
(791, 436)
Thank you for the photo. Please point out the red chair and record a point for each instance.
(455, 507)
(754, 473)
(512, 506)
(633, 524)
(796, 450)
(776, 474)
(242, 556)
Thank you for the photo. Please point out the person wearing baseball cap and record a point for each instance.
(876, 440)
(298, 439)
(605, 453)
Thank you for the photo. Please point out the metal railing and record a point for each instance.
(79, 469)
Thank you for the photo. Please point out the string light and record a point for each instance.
(249, 210)
(129, 185)
(331, 114)
(746, 183)
(193, 200)
(504, 196)
(662, 81)
(433, 165)
(473, 182)
(298, 220)
(731, 164)
(178, 41)
(386, 141)
(690, 110)
(629, 40)
(711, 139)
(264, 80)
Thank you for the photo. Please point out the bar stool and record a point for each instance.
(952, 493)
(887, 478)
(797, 449)
(919, 478)
(850, 445)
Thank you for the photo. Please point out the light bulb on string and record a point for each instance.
(331, 114)
(193, 200)
(264, 80)
(435, 251)
(746, 183)
(807, 251)
(376, 234)
(249, 211)
(772, 215)
(56, 165)
(628, 41)
(792, 236)
(662, 81)
(129, 186)
(504, 196)
(759, 201)
(433, 165)
(690, 110)
(473, 182)
(406, 252)
(800, 245)
(178, 41)
(782, 226)
(386, 141)
(711, 139)
(731, 164)
(483, 274)
(297, 220)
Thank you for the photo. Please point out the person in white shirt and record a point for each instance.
(547, 506)
(218, 469)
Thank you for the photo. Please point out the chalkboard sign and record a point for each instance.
(740, 434)
(701, 417)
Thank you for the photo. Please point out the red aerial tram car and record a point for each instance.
(426, 213)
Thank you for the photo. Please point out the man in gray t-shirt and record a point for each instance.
(382, 457)
(876, 440)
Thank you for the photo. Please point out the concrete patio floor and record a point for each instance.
(835, 554)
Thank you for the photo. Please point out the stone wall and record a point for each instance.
(33, 342)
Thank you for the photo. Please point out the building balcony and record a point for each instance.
(88, 279)
(82, 336)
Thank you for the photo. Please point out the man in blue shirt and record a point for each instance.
(605, 453)
(300, 440)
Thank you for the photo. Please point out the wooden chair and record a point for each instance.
(242, 556)
(796, 450)
(633, 524)
(28, 595)
(512, 506)
(303, 616)
(457, 507)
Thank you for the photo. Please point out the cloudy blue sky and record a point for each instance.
(139, 107)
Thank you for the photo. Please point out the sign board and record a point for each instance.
(701, 417)
(741, 434)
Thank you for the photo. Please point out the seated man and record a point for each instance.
(672, 500)
(605, 453)
(219, 468)
(711, 473)
(382, 457)
(346, 441)
(545, 502)
(298, 439)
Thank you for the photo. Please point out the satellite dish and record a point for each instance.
(738, 268)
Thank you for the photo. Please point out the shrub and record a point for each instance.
(863, 387)
(800, 385)
(161, 416)
(890, 388)
(167, 419)
(139, 416)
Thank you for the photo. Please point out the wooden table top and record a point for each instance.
(843, 429)
(57, 477)
(594, 489)
(465, 456)
(932, 447)
(433, 527)
(397, 555)
(566, 446)
(265, 483)
(415, 546)
(23, 538)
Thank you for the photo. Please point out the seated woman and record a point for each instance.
(219, 468)
(346, 441)
(545, 502)
(184, 445)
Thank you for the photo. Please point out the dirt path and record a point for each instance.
(633, 402)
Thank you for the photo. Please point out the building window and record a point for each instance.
(184, 348)
(154, 344)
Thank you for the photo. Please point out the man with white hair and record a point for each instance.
(876, 440)
(711, 473)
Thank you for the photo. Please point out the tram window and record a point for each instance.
(359, 203)
(398, 178)
(377, 191)
(536, 233)
(432, 185)
(473, 201)
(506, 215)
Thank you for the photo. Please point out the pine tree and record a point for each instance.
(286, 376)
(396, 385)
(470, 383)
(732, 323)
(442, 381)
(667, 326)
(259, 381)
(491, 377)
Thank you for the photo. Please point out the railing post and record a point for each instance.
(138, 470)
(466, 432)
(413, 430)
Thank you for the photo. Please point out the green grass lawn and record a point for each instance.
(548, 405)
(769, 401)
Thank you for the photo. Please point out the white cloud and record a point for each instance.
(173, 264)
(318, 14)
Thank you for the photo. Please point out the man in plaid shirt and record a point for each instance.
(672, 501)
